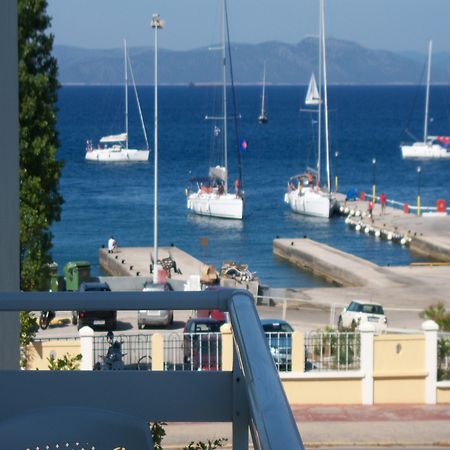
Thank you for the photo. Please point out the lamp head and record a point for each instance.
(157, 22)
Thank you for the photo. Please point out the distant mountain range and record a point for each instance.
(347, 63)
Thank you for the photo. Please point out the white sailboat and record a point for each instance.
(115, 148)
(306, 195)
(262, 118)
(210, 196)
(431, 146)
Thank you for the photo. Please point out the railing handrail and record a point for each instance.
(271, 421)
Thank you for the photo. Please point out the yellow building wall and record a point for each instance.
(38, 352)
(399, 369)
(443, 395)
(323, 391)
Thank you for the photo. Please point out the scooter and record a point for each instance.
(113, 359)
(45, 318)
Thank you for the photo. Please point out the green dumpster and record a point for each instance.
(75, 272)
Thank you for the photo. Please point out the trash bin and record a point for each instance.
(75, 272)
(406, 208)
(441, 206)
(57, 282)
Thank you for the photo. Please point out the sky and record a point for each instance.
(397, 25)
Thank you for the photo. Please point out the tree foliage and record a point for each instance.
(40, 201)
(439, 314)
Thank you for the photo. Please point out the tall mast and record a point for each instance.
(319, 114)
(156, 24)
(263, 89)
(427, 97)
(224, 62)
(126, 90)
(325, 94)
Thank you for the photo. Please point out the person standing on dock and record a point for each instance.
(112, 244)
(383, 200)
(370, 210)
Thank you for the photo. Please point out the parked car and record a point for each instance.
(151, 317)
(279, 337)
(106, 319)
(202, 343)
(360, 311)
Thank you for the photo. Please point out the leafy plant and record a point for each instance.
(28, 330)
(209, 445)
(439, 314)
(158, 433)
(67, 362)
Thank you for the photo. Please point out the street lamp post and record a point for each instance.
(419, 171)
(336, 180)
(374, 190)
(157, 24)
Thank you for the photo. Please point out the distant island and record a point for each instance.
(348, 63)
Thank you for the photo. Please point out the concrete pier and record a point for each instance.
(429, 234)
(411, 287)
(135, 261)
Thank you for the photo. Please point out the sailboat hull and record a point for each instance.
(113, 155)
(226, 206)
(310, 203)
(424, 150)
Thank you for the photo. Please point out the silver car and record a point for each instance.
(149, 317)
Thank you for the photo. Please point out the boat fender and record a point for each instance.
(389, 236)
(377, 233)
(357, 213)
(346, 210)
(358, 227)
(341, 209)
(367, 230)
(351, 213)
(403, 241)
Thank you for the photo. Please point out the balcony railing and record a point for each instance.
(240, 396)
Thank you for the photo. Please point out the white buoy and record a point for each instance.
(403, 241)
(367, 230)
(352, 212)
(363, 214)
(358, 227)
(346, 210)
(377, 233)
(341, 209)
(347, 220)
(389, 236)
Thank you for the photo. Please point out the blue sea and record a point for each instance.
(117, 199)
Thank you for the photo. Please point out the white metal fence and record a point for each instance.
(332, 351)
(443, 355)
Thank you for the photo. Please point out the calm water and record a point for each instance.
(365, 123)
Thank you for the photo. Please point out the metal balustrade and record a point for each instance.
(332, 351)
(240, 396)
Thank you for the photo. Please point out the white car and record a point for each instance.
(152, 318)
(359, 311)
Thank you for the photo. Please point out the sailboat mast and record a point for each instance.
(427, 97)
(319, 114)
(224, 74)
(325, 94)
(126, 90)
(263, 90)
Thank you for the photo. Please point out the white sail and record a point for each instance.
(312, 96)
(114, 138)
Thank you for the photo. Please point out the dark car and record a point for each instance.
(93, 319)
(279, 337)
(202, 344)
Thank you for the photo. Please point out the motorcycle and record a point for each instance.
(45, 318)
(114, 357)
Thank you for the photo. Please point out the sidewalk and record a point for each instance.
(343, 426)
